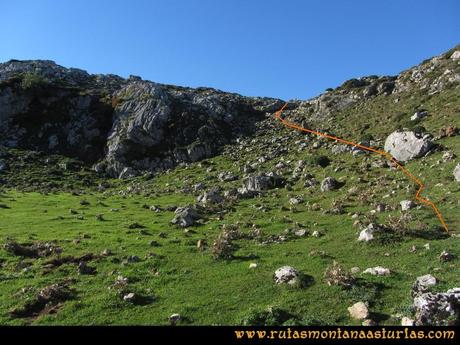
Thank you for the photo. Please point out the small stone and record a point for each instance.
(106, 252)
(407, 205)
(316, 233)
(133, 258)
(252, 265)
(368, 322)
(130, 297)
(355, 270)
(83, 268)
(300, 232)
(174, 319)
(405, 321)
(359, 311)
(446, 256)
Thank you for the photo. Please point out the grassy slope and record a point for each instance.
(190, 282)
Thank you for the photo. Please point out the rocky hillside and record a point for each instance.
(127, 127)
(160, 204)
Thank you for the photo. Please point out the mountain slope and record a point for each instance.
(217, 196)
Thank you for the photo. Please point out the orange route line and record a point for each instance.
(387, 155)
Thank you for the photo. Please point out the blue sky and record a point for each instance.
(278, 48)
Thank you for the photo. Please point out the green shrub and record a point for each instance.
(32, 81)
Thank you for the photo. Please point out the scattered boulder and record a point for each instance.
(83, 268)
(260, 183)
(422, 284)
(186, 216)
(367, 234)
(211, 197)
(328, 184)
(446, 256)
(174, 319)
(405, 146)
(407, 205)
(359, 311)
(377, 271)
(457, 173)
(448, 156)
(287, 275)
(227, 176)
(418, 115)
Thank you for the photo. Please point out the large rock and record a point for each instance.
(186, 216)
(287, 275)
(359, 311)
(328, 184)
(422, 284)
(367, 234)
(260, 183)
(405, 146)
(406, 205)
(439, 309)
(377, 271)
(211, 197)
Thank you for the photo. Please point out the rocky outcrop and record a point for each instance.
(438, 309)
(125, 126)
(405, 146)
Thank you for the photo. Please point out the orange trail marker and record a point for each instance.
(388, 156)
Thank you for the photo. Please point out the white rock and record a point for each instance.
(355, 270)
(377, 271)
(407, 205)
(405, 146)
(252, 265)
(359, 311)
(286, 275)
(457, 173)
(455, 55)
(405, 321)
(367, 234)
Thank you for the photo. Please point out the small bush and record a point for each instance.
(223, 247)
(336, 275)
(33, 81)
(322, 161)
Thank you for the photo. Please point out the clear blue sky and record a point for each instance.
(279, 48)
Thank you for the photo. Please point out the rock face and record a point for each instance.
(439, 309)
(457, 173)
(287, 275)
(405, 146)
(126, 126)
